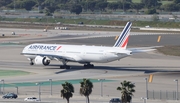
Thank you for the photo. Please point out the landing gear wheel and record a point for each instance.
(92, 66)
(85, 66)
(88, 66)
(31, 63)
(62, 67)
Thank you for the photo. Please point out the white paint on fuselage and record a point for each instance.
(78, 53)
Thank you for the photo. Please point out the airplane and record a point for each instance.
(42, 54)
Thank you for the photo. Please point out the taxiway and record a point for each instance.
(134, 68)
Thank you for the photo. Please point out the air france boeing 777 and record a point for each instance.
(42, 54)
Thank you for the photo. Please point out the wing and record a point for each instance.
(142, 49)
(55, 57)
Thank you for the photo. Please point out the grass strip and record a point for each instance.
(12, 73)
(170, 50)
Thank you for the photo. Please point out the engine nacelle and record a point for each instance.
(39, 60)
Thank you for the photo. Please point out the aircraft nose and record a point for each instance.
(25, 49)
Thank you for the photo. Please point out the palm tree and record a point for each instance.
(127, 89)
(86, 88)
(67, 91)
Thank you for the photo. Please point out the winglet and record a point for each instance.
(123, 37)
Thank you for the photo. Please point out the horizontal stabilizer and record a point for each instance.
(143, 49)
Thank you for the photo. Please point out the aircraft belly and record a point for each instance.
(91, 58)
(30, 56)
(109, 59)
(112, 57)
(122, 56)
(99, 58)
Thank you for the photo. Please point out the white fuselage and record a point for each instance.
(76, 53)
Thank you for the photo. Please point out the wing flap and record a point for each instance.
(56, 57)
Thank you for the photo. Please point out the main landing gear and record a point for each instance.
(64, 66)
(88, 65)
(31, 63)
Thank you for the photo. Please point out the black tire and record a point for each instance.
(62, 67)
(31, 63)
(88, 66)
(85, 66)
(92, 66)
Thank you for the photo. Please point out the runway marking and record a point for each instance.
(115, 35)
(150, 78)
(159, 38)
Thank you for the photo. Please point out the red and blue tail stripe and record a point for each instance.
(123, 37)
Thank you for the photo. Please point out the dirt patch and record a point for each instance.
(29, 25)
(170, 50)
(1, 37)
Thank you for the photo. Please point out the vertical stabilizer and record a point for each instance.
(123, 37)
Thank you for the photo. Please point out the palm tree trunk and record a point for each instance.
(67, 100)
(87, 99)
(126, 98)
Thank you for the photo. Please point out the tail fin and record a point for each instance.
(123, 37)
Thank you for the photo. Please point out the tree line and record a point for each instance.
(77, 6)
(86, 86)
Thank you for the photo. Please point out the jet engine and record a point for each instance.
(39, 60)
